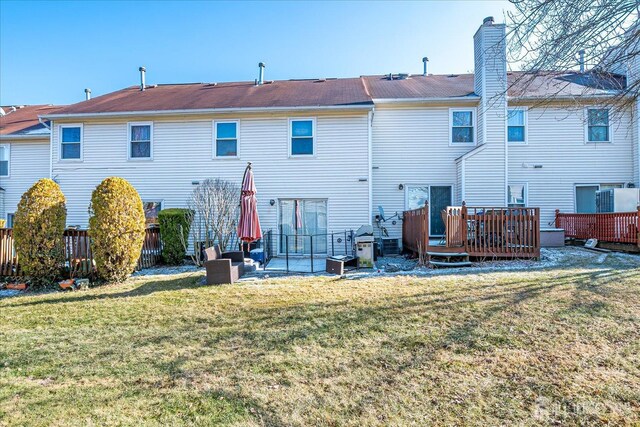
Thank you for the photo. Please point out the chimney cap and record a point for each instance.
(87, 90)
(488, 20)
(262, 64)
(142, 69)
(425, 59)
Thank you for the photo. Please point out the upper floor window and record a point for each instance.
(302, 134)
(226, 139)
(5, 156)
(462, 126)
(71, 142)
(516, 125)
(140, 137)
(598, 125)
(517, 195)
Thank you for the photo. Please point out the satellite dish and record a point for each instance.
(381, 211)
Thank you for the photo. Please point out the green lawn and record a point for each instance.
(555, 346)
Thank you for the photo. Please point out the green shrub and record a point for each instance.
(175, 224)
(39, 232)
(117, 228)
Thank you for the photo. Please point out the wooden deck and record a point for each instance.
(480, 232)
(618, 227)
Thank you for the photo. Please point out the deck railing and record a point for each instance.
(78, 255)
(617, 227)
(483, 232)
(415, 229)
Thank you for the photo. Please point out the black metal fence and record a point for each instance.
(296, 246)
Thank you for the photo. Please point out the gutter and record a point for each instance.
(11, 137)
(470, 98)
(367, 106)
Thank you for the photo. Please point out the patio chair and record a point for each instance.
(223, 267)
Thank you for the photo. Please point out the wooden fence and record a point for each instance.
(415, 229)
(618, 227)
(482, 232)
(78, 255)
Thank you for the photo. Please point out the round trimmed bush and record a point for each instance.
(117, 228)
(175, 224)
(38, 232)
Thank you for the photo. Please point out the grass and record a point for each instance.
(555, 346)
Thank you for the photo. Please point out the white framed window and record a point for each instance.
(140, 144)
(517, 195)
(71, 142)
(151, 210)
(5, 159)
(302, 137)
(462, 126)
(598, 125)
(226, 143)
(415, 196)
(517, 125)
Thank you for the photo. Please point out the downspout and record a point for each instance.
(50, 144)
(370, 161)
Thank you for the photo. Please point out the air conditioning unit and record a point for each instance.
(617, 200)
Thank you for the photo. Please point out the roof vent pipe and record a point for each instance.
(261, 75)
(424, 63)
(581, 60)
(87, 94)
(142, 76)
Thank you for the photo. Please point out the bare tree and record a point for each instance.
(215, 203)
(548, 37)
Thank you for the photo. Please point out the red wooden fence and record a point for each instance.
(78, 256)
(618, 227)
(415, 229)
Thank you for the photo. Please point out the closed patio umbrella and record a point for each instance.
(249, 223)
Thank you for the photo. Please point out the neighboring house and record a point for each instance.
(25, 153)
(327, 152)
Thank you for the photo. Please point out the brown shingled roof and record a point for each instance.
(431, 86)
(24, 120)
(333, 92)
(196, 96)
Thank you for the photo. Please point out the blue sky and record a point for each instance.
(50, 51)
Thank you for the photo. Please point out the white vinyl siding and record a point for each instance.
(556, 159)
(410, 146)
(29, 162)
(182, 154)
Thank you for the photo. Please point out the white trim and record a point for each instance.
(11, 137)
(474, 112)
(65, 126)
(586, 125)
(472, 152)
(139, 159)
(525, 185)
(7, 146)
(215, 139)
(314, 137)
(184, 112)
(525, 111)
(370, 163)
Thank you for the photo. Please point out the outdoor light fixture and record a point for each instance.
(400, 187)
(272, 202)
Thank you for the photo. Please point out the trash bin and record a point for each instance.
(257, 255)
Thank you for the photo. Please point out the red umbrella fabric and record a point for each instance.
(249, 223)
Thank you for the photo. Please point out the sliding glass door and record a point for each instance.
(299, 219)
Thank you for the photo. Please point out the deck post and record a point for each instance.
(555, 221)
(463, 226)
(425, 246)
(638, 228)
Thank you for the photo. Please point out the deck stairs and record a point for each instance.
(442, 257)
